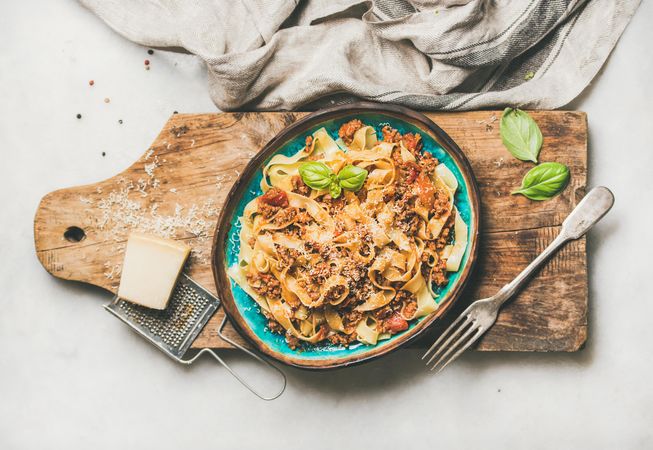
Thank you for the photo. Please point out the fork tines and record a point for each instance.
(460, 335)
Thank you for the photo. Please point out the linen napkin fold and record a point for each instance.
(431, 55)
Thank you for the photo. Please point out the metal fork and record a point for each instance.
(482, 314)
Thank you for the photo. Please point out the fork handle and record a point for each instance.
(589, 211)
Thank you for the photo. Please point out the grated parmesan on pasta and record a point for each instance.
(359, 267)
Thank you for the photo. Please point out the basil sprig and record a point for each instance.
(520, 134)
(318, 175)
(544, 181)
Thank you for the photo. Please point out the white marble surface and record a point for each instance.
(73, 377)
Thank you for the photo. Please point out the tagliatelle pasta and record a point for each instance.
(360, 256)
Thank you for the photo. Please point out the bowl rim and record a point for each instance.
(223, 226)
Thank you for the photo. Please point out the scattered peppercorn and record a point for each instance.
(147, 67)
(107, 100)
(104, 153)
(175, 112)
(150, 52)
(147, 62)
(79, 116)
(120, 121)
(91, 82)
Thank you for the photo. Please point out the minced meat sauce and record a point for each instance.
(413, 184)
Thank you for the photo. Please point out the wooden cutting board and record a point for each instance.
(177, 187)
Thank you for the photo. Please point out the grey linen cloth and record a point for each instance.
(438, 54)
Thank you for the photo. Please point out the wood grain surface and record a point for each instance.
(177, 187)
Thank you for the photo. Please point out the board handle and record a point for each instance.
(67, 241)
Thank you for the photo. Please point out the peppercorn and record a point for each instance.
(150, 52)
(79, 116)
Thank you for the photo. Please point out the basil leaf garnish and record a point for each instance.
(520, 134)
(352, 177)
(335, 190)
(316, 175)
(544, 181)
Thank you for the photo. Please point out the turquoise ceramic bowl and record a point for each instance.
(244, 311)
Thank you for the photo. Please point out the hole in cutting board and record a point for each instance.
(74, 234)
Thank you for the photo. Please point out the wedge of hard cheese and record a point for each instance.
(150, 270)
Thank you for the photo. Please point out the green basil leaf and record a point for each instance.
(544, 181)
(520, 134)
(352, 177)
(316, 175)
(335, 190)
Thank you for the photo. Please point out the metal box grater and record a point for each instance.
(174, 329)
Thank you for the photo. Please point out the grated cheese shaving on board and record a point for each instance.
(219, 182)
(122, 211)
(121, 214)
(142, 185)
(149, 168)
(491, 119)
(115, 269)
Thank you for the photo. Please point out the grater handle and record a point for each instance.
(233, 372)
